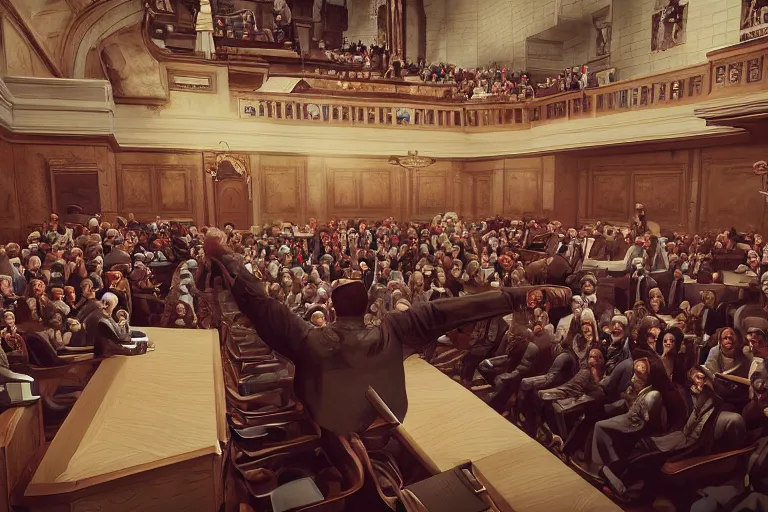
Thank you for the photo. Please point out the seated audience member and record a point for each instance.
(613, 436)
(728, 358)
(670, 345)
(707, 430)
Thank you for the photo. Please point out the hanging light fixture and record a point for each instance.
(412, 161)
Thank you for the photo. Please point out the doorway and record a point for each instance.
(233, 202)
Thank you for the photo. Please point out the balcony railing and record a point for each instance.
(736, 70)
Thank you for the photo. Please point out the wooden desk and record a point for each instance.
(20, 438)
(145, 434)
(454, 426)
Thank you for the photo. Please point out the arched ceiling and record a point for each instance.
(64, 31)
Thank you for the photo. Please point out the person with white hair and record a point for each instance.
(109, 336)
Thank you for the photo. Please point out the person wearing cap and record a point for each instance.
(336, 365)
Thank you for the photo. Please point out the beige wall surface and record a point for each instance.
(711, 24)
(362, 22)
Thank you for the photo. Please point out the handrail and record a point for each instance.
(741, 70)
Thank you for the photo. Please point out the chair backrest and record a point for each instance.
(41, 353)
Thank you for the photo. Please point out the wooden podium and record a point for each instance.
(146, 433)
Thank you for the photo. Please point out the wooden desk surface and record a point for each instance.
(139, 413)
(454, 426)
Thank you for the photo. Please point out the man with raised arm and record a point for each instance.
(336, 364)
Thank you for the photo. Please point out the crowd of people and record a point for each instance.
(496, 80)
(618, 377)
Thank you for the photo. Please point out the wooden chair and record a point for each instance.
(682, 473)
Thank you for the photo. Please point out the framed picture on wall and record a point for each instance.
(754, 20)
(74, 184)
(668, 24)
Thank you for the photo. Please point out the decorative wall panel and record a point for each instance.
(344, 185)
(483, 188)
(432, 190)
(161, 184)
(610, 196)
(175, 190)
(280, 191)
(9, 208)
(375, 190)
(135, 190)
(609, 188)
(663, 195)
(33, 177)
(522, 191)
(730, 197)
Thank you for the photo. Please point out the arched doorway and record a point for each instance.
(231, 194)
(415, 30)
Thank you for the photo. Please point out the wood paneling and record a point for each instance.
(483, 195)
(280, 191)
(662, 192)
(609, 188)
(9, 205)
(432, 192)
(730, 195)
(175, 191)
(610, 195)
(344, 190)
(522, 191)
(31, 163)
(361, 187)
(376, 190)
(134, 193)
(165, 184)
(692, 189)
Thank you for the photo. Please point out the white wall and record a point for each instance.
(494, 32)
(437, 37)
(461, 32)
(711, 24)
(452, 31)
(362, 27)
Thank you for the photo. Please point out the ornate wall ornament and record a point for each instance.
(412, 161)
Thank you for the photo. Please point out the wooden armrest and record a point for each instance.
(78, 358)
(75, 350)
(674, 468)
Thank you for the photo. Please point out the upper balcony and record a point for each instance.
(735, 71)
